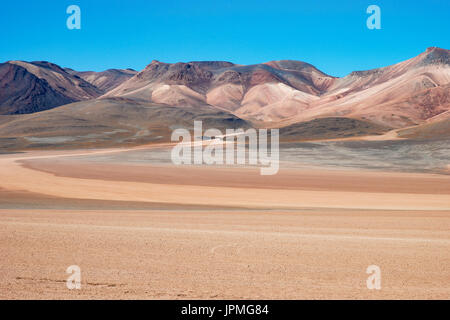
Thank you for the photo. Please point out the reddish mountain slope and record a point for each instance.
(223, 84)
(289, 94)
(280, 93)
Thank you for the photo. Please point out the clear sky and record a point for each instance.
(330, 34)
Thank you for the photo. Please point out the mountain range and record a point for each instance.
(287, 94)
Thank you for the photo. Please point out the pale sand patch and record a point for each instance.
(174, 253)
(16, 177)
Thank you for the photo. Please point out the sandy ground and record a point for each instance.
(153, 232)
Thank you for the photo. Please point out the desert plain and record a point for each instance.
(153, 230)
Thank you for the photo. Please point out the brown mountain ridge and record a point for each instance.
(411, 98)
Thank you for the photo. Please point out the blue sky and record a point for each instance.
(332, 35)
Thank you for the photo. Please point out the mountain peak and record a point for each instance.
(434, 56)
(430, 49)
(294, 65)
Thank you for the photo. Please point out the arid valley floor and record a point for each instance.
(225, 151)
(151, 230)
